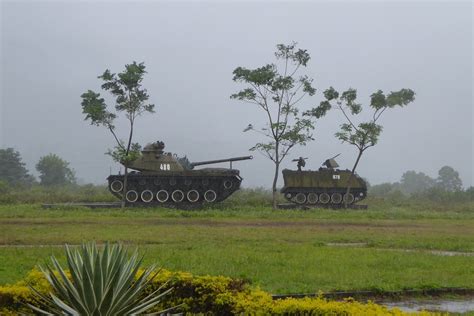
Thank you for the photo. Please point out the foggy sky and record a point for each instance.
(52, 52)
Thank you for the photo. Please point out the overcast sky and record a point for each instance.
(52, 52)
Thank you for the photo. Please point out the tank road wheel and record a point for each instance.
(147, 196)
(348, 198)
(162, 196)
(300, 198)
(116, 186)
(324, 198)
(177, 196)
(193, 196)
(227, 184)
(131, 196)
(210, 196)
(336, 198)
(312, 198)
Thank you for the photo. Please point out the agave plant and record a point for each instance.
(100, 283)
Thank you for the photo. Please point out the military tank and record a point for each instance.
(160, 178)
(326, 186)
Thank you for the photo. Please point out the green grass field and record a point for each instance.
(387, 247)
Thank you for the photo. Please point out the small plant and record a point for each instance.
(103, 282)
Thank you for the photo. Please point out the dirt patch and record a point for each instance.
(29, 222)
(208, 223)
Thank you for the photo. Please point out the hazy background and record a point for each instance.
(52, 52)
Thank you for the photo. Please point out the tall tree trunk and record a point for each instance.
(275, 177)
(351, 176)
(125, 178)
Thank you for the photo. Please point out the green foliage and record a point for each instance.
(419, 186)
(415, 182)
(96, 110)
(57, 194)
(130, 98)
(55, 171)
(448, 179)
(98, 283)
(365, 134)
(216, 295)
(119, 153)
(12, 169)
(278, 90)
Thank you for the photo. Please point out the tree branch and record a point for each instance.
(343, 112)
(285, 152)
(376, 118)
(115, 136)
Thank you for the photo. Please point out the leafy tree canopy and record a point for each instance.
(416, 182)
(448, 179)
(55, 171)
(12, 169)
(277, 89)
(130, 98)
(364, 134)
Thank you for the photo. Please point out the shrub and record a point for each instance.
(99, 282)
(216, 295)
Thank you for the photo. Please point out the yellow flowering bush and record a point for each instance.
(217, 295)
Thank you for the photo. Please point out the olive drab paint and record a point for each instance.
(327, 185)
(165, 179)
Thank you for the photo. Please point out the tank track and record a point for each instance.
(323, 197)
(174, 191)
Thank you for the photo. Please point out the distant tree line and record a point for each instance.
(447, 186)
(53, 171)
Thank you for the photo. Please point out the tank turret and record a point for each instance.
(164, 178)
(154, 158)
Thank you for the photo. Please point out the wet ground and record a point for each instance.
(455, 305)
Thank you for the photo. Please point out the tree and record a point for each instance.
(55, 171)
(416, 182)
(383, 189)
(131, 99)
(365, 134)
(12, 169)
(277, 90)
(448, 179)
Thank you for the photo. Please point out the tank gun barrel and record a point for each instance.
(208, 162)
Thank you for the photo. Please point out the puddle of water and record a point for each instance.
(442, 305)
(433, 252)
(346, 244)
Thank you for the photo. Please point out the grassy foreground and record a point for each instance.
(286, 251)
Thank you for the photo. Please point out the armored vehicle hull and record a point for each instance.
(164, 179)
(327, 187)
(191, 189)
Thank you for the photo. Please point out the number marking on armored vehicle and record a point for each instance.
(326, 186)
(164, 179)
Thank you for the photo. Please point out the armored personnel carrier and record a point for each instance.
(326, 186)
(161, 178)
